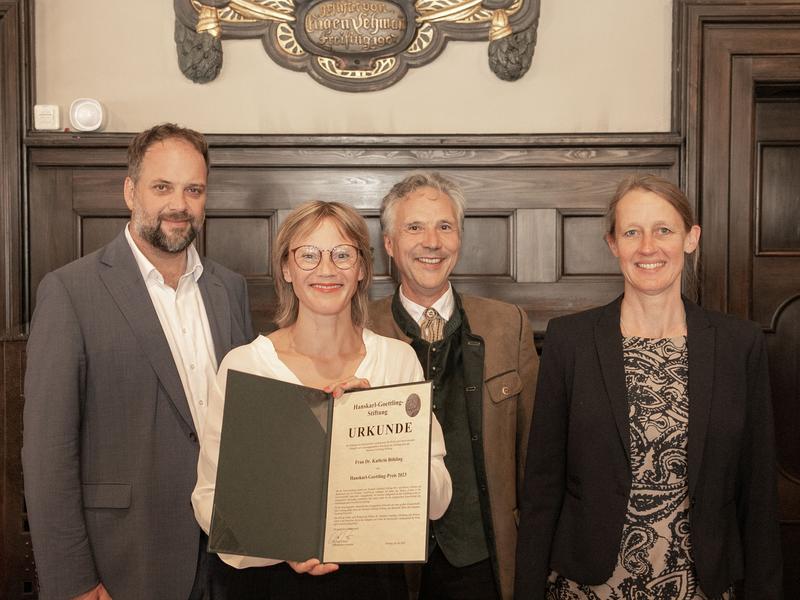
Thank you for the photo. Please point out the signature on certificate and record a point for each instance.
(341, 537)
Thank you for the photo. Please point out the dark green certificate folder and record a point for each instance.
(271, 497)
(272, 469)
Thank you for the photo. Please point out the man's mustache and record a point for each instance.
(176, 215)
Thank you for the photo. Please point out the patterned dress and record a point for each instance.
(655, 556)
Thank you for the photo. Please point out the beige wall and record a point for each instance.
(599, 66)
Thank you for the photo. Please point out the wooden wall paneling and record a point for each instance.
(778, 205)
(17, 568)
(778, 119)
(693, 20)
(513, 230)
(536, 245)
(240, 243)
(784, 351)
(708, 34)
(586, 252)
(775, 278)
(15, 81)
(784, 370)
(16, 40)
(96, 231)
(424, 151)
(740, 191)
(486, 245)
(53, 239)
(745, 176)
(732, 52)
(363, 188)
(381, 263)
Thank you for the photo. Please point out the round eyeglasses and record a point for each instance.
(308, 258)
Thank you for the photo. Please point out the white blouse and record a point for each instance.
(387, 362)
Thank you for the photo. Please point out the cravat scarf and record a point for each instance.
(432, 326)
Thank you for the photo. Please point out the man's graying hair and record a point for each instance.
(420, 179)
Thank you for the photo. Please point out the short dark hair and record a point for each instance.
(141, 144)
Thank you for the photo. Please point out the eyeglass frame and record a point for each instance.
(293, 252)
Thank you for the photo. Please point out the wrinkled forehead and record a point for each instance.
(427, 203)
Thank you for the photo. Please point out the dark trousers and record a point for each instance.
(216, 580)
(443, 581)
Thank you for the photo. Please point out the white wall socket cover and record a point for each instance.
(45, 117)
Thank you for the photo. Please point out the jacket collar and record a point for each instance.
(701, 343)
(608, 342)
(123, 280)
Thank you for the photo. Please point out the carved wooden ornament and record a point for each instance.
(355, 45)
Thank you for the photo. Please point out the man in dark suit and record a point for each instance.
(480, 355)
(123, 346)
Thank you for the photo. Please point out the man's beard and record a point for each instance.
(155, 236)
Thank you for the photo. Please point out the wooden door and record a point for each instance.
(740, 113)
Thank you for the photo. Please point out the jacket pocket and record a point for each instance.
(504, 386)
(106, 495)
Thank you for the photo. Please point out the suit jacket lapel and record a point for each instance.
(608, 341)
(700, 344)
(124, 282)
(218, 309)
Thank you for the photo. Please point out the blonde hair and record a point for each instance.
(303, 219)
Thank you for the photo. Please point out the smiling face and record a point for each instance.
(325, 289)
(168, 198)
(424, 244)
(650, 240)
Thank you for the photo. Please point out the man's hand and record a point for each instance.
(313, 567)
(97, 593)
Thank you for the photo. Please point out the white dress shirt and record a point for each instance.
(386, 362)
(183, 318)
(444, 305)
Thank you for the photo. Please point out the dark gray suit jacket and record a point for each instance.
(110, 449)
(578, 473)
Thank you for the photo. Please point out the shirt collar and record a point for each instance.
(444, 305)
(149, 271)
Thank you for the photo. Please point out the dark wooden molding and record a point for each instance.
(37, 139)
(16, 43)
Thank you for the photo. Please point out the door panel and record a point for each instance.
(739, 89)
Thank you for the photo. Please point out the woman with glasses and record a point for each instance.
(322, 264)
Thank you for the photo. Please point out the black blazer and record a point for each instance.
(578, 473)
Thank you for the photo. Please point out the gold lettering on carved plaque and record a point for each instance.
(354, 26)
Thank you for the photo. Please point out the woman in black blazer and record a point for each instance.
(651, 464)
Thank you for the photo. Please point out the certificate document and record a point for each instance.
(301, 475)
